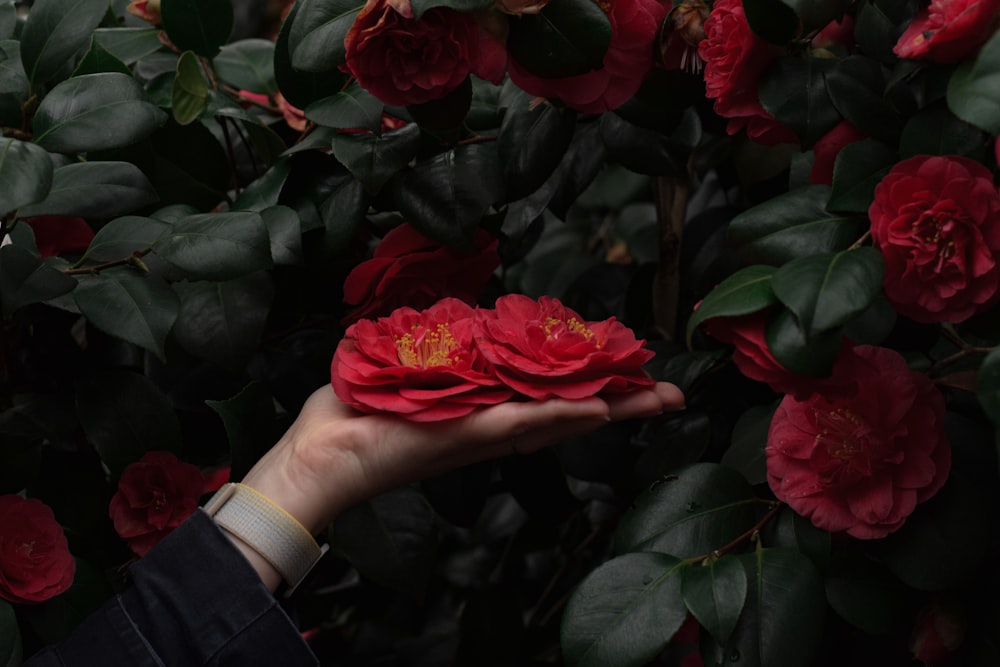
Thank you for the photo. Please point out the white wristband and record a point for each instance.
(267, 529)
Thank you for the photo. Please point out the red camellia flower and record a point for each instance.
(828, 148)
(155, 495)
(35, 562)
(409, 269)
(735, 59)
(422, 365)
(752, 356)
(402, 60)
(948, 31)
(861, 463)
(938, 632)
(58, 234)
(936, 221)
(542, 349)
(629, 58)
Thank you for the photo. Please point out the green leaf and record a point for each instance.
(827, 291)
(446, 196)
(285, 231)
(974, 88)
(316, 40)
(876, 32)
(129, 44)
(25, 280)
(797, 532)
(566, 38)
(858, 169)
(746, 451)
(95, 112)
(222, 321)
(624, 612)
(782, 621)
(248, 65)
(10, 636)
(857, 88)
(746, 291)
(124, 415)
(301, 88)
(692, 512)
(391, 539)
(772, 20)
(348, 109)
(249, 420)
(793, 90)
(122, 237)
(125, 304)
(54, 32)
(12, 76)
(798, 352)
(264, 192)
(8, 19)
(374, 159)
(26, 174)
(94, 190)
(467, 6)
(97, 59)
(201, 26)
(715, 593)
(217, 246)
(649, 151)
(793, 225)
(989, 385)
(189, 94)
(342, 213)
(937, 131)
(865, 595)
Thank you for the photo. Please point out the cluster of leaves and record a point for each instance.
(211, 293)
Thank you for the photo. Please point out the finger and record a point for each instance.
(662, 397)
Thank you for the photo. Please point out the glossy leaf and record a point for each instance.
(799, 352)
(94, 112)
(746, 452)
(122, 237)
(26, 172)
(349, 109)
(772, 20)
(217, 246)
(989, 385)
(374, 159)
(248, 65)
(264, 191)
(793, 90)
(94, 190)
(624, 612)
(8, 19)
(796, 532)
(248, 418)
(468, 6)
(10, 636)
(827, 291)
(54, 32)
(857, 170)
(12, 76)
(342, 213)
(24, 280)
(937, 131)
(285, 231)
(128, 44)
(746, 291)
(202, 26)
(97, 59)
(189, 95)
(129, 305)
(566, 38)
(298, 87)
(794, 224)
(974, 88)
(690, 513)
(857, 88)
(715, 593)
(648, 151)
(390, 539)
(124, 415)
(317, 34)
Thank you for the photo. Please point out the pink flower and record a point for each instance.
(59, 234)
(936, 221)
(948, 31)
(35, 562)
(828, 148)
(861, 463)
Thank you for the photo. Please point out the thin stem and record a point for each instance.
(134, 259)
(477, 139)
(717, 553)
(245, 139)
(967, 351)
(864, 237)
(232, 157)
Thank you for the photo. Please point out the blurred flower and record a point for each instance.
(294, 117)
(828, 148)
(155, 495)
(519, 7)
(938, 632)
(35, 562)
(948, 31)
(735, 59)
(629, 59)
(215, 478)
(402, 60)
(861, 463)
(753, 358)
(936, 221)
(683, 31)
(147, 10)
(59, 234)
(409, 269)
(421, 365)
(542, 349)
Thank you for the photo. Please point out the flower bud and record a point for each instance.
(683, 29)
(147, 10)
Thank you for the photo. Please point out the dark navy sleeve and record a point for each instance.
(194, 601)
